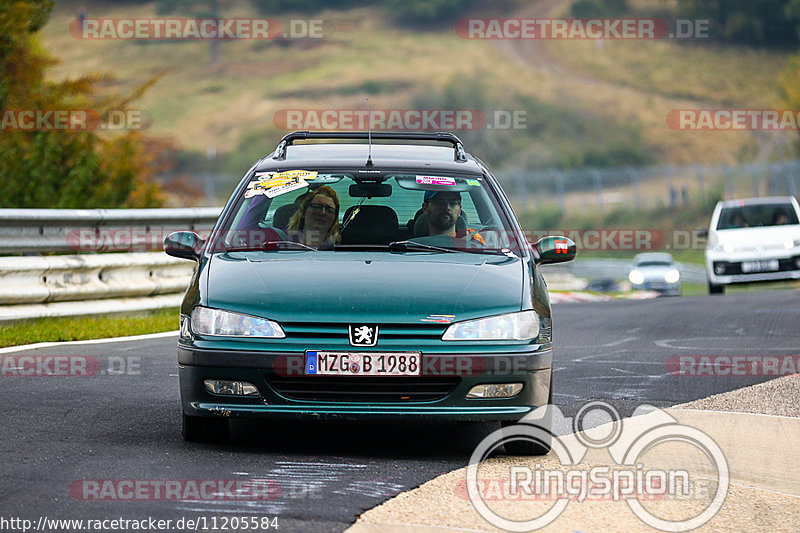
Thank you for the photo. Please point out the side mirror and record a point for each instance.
(702, 232)
(183, 244)
(554, 250)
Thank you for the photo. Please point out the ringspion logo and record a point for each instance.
(633, 477)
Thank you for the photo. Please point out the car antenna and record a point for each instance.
(369, 135)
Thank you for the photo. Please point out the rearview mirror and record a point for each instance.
(183, 244)
(554, 249)
(370, 190)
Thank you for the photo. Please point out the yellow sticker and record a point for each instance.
(274, 181)
(299, 174)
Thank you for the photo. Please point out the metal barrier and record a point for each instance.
(99, 230)
(93, 283)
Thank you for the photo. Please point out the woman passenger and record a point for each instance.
(316, 222)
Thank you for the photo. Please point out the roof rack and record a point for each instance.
(439, 136)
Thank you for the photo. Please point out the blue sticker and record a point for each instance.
(311, 362)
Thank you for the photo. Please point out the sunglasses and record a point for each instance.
(322, 207)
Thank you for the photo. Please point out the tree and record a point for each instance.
(60, 167)
(761, 22)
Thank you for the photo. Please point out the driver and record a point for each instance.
(443, 209)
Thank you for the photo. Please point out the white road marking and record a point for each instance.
(23, 347)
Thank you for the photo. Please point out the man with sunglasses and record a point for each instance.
(443, 208)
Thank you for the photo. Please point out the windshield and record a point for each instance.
(653, 264)
(309, 210)
(750, 216)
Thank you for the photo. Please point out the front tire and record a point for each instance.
(539, 446)
(204, 429)
(716, 289)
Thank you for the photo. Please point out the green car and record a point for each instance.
(366, 277)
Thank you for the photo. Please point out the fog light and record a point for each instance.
(495, 390)
(230, 388)
(719, 269)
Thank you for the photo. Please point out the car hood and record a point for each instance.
(364, 287)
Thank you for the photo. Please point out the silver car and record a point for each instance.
(655, 272)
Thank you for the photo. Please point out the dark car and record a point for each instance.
(380, 277)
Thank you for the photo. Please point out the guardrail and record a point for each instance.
(93, 283)
(100, 230)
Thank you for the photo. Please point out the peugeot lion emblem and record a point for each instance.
(363, 335)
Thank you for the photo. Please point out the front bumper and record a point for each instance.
(457, 373)
(726, 270)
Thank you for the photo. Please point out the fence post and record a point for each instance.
(790, 180)
(598, 189)
(560, 189)
(634, 174)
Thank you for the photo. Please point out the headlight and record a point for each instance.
(789, 244)
(207, 321)
(672, 276)
(636, 277)
(511, 327)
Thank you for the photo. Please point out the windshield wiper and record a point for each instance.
(264, 246)
(414, 246)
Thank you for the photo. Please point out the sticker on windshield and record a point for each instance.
(292, 185)
(256, 186)
(474, 183)
(439, 319)
(272, 185)
(435, 180)
(299, 174)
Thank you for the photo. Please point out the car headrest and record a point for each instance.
(282, 215)
(371, 224)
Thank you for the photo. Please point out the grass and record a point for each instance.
(625, 85)
(84, 328)
(703, 72)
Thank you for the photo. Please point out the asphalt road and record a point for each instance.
(61, 435)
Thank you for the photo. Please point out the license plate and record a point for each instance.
(363, 364)
(760, 266)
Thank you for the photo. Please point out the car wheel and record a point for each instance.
(540, 446)
(716, 289)
(204, 429)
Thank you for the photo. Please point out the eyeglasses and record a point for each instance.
(442, 204)
(322, 207)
